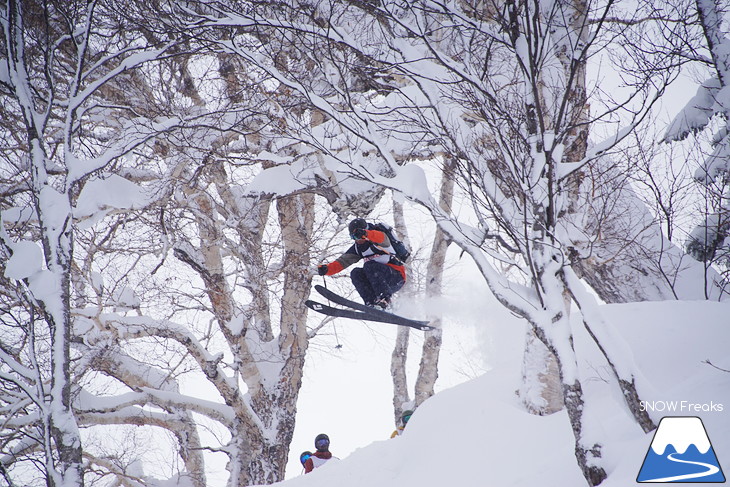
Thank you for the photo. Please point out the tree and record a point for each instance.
(707, 241)
(211, 311)
(266, 357)
(306, 129)
(430, 351)
(56, 72)
(103, 153)
(656, 38)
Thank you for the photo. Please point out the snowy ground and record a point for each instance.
(476, 434)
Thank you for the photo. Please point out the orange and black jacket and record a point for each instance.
(374, 247)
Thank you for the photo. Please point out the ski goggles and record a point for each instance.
(304, 458)
(406, 418)
(323, 443)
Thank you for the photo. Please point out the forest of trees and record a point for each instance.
(172, 172)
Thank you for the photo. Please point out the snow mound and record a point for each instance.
(478, 434)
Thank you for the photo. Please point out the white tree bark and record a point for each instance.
(430, 351)
(428, 369)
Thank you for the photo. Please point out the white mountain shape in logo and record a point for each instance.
(680, 432)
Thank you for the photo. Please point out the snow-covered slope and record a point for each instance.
(476, 434)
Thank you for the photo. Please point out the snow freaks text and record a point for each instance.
(681, 406)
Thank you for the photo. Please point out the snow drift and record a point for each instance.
(477, 433)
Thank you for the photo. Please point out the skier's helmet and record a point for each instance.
(357, 223)
(305, 456)
(406, 416)
(322, 442)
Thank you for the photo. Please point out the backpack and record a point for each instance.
(401, 251)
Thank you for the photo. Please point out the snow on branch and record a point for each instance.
(123, 406)
(355, 121)
(130, 62)
(697, 113)
(9, 358)
(140, 327)
(131, 415)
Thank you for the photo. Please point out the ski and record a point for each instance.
(364, 315)
(332, 296)
(385, 316)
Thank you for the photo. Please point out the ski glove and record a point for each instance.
(322, 270)
(359, 233)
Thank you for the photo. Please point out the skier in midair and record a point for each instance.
(382, 275)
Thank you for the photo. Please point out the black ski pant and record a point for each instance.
(375, 280)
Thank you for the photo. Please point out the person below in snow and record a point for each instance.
(381, 276)
(304, 457)
(403, 422)
(321, 456)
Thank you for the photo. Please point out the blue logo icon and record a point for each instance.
(681, 452)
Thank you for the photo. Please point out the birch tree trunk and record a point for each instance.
(541, 391)
(53, 208)
(428, 369)
(270, 364)
(399, 357)
(398, 360)
(61, 433)
(603, 262)
(556, 335)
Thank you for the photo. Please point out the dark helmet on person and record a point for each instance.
(406, 416)
(322, 442)
(305, 456)
(357, 223)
